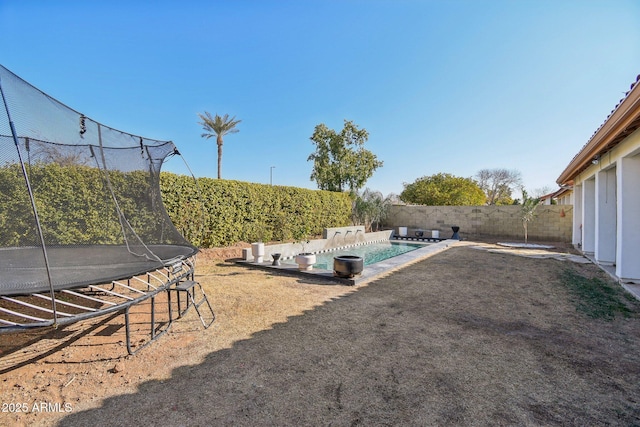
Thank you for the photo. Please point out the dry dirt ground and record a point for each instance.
(466, 337)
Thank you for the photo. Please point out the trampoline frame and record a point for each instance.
(117, 296)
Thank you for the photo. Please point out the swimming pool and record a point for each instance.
(371, 253)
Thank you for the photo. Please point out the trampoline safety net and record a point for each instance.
(80, 202)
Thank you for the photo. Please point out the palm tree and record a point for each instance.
(371, 208)
(218, 126)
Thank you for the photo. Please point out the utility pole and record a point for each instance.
(271, 174)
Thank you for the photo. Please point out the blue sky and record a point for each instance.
(442, 86)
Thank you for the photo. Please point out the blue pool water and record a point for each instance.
(371, 253)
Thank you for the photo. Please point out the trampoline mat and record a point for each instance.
(22, 270)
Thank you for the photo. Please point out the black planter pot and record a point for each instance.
(347, 266)
(276, 258)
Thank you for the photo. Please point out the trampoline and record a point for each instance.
(22, 273)
(83, 229)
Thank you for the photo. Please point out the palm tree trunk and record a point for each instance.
(219, 141)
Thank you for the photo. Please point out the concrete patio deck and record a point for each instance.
(632, 288)
(370, 271)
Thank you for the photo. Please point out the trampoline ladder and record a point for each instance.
(189, 287)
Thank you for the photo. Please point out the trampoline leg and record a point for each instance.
(127, 329)
(169, 305)
(153, 318)
(153, 335)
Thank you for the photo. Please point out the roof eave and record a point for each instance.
(618, 123)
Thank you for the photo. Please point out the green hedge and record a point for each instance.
(75, 207)
(215, 212)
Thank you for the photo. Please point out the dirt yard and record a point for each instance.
(466, 337)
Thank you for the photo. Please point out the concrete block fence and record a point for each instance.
(551, 222)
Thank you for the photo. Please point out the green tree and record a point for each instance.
(218, 126)
(443, 189)
(527, 211)
(340, 161)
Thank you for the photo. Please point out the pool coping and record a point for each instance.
(370, 272)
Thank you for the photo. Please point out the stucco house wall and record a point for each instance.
(608, 223)
(605, 175)
(565, 198)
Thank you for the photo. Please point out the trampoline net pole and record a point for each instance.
(33, 207)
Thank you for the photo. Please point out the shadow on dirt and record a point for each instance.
(429, 344)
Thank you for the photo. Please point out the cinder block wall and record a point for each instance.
(551, 222)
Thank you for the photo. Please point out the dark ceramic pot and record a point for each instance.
(347, 266)
(455, 229)
(276, 258)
